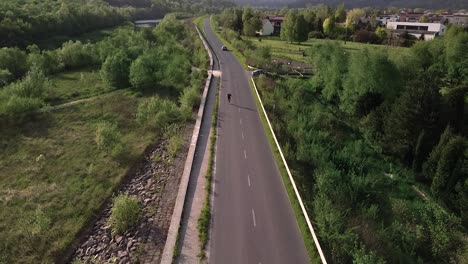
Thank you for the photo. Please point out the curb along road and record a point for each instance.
(171, 240)
(304, 211)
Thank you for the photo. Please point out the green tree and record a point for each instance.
(251, 26)
(288, 26)
(329, 25)
(145, 71)
(430, 166)
(381, 33)
(372, 78)
(446, 175)
(310, 17)
(302, 33)
(340, 14)
(330, 62)
(5, 77)
(14, 60)
(116, 69)
(416, 109)
(294, 28)
(424, 19)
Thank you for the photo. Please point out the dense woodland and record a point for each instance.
(366, 135)
(23, 22)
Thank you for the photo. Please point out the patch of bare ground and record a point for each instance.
(154, 182)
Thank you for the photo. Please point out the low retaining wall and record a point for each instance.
(171, 240)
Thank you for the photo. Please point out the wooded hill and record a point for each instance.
(433, 4)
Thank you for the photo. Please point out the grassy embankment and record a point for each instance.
(200, 21)
(75, 85)
(293, 51)
(203, 224)
(54, 177)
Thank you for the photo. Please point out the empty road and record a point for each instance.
(253, 221)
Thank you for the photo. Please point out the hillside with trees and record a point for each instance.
(436, 4)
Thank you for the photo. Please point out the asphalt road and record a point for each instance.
(253, 221)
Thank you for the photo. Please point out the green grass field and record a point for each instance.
(75, 85)
(293, 51)
(54, 177)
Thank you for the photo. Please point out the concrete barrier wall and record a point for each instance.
(173, 232)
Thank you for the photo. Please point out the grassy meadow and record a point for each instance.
(54, 177)
(293, 51)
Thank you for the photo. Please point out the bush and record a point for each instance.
(26, 95)
(125, 213)
(190, 98)
(107, 136)
(316, 35)
(14, 60)
(116, 69)
(158, 113)
(75, 54)
(365, 36)
(175, 138)
(259, 57)
(5, 77)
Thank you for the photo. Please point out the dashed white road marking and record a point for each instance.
(238, 110)
(253, 217)
(240, 121)
(248, 179)
(242, 134)
(245, 154)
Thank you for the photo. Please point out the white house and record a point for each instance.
(271, 25)
(460, 19)
(383, 19)
(267, 28)
(429, 30)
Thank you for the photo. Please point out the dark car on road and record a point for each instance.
(224, 48)
(258, 72)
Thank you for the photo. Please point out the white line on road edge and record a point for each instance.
(248, 179)
(245, 154)
(253, 217)
(304, 211)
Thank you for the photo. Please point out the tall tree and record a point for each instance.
(288, 26)
(116, 69)
(329, 25)
(340, 14)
